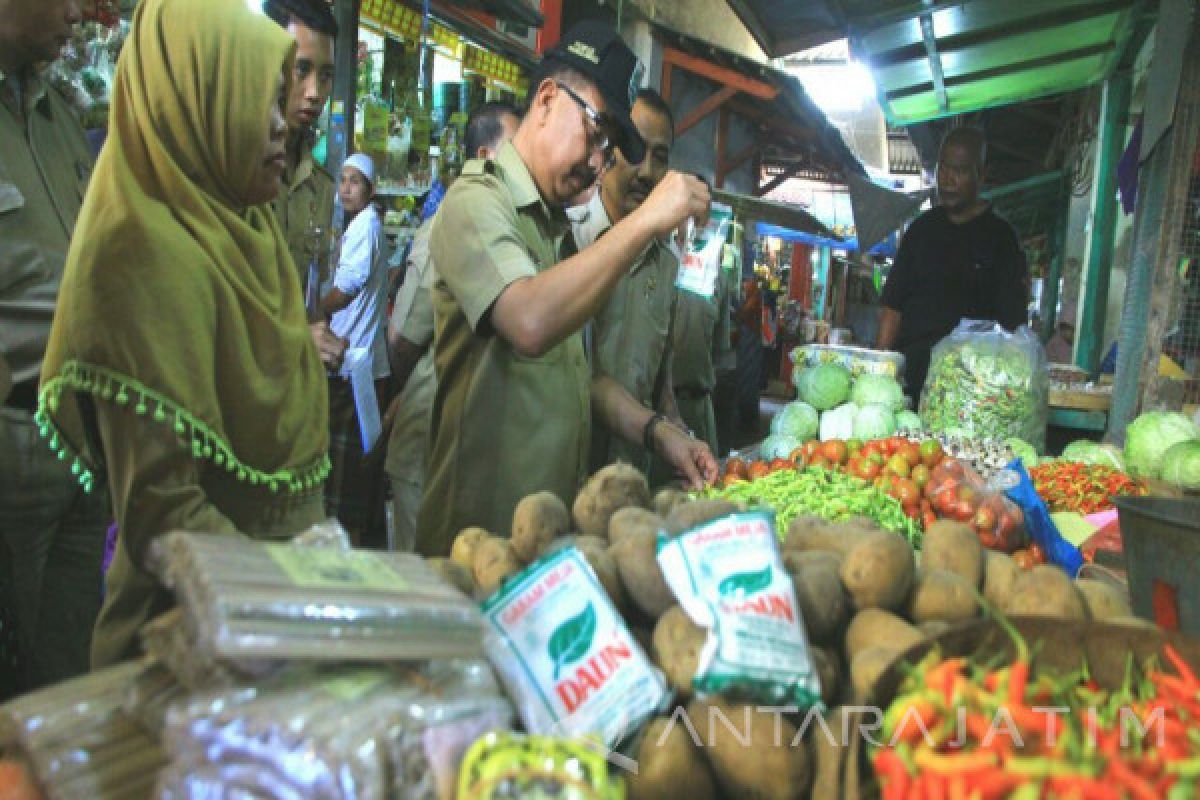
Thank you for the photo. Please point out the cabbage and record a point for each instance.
(779, 445)
(838, 423)
(880, 389)
(1149, 436)
(908, 421)
(874, 421)
(824, 386)
(1181, 464)
(797, 419)
(1086, 451)
(1023, 450)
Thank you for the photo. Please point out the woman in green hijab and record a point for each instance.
(180, 366)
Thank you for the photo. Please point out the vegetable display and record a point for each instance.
(986, 383)
(1082, 488)
(1181, 465)
(824, 386)
(958, 493)
(866, 406)
(1148, 438)
(1086, 451)
(960, 727)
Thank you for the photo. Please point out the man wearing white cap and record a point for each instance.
(355, 308)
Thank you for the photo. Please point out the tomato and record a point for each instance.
(911, 452)
(1037, 553)
(1024, 559)
(735, 466)
(911, 511)
(797, 456)
(867, 469)
(820, 461)
(985, 519)
(963, 511)
(728, 479)
(920, 475)
(872, 447)
(907, 492)
(931, 452)
(809, 448)
(778, 464)
(757, 470)
(854, 446)
(898, 466)
(945, 503)
(927, 518)
(834, 451)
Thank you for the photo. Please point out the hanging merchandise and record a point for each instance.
(701, 262)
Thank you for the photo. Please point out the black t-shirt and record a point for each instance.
(945, 272)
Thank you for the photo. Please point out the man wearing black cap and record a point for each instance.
(512, 414)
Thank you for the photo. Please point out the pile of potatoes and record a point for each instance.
(864, 595)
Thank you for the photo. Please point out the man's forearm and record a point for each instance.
(334, 302)
(535, 314)
(889, 329)
(618, 410)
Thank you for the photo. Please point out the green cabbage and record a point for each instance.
(797, 419)
(838, 423)
(1181, 464)
(824, 386)
(1149, 437)
(878, 389)
(874, 421)
(1023, 450)
(779, 445)
(908, 421)
(1086, 451)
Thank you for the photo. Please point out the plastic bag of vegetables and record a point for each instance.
(987, 383)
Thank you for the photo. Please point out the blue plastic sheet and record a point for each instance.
(1040, 526)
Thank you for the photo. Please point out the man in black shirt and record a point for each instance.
(957, 260)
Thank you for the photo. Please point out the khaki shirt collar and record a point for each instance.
(511, 170)
(304, 170)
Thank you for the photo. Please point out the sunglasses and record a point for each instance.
(601, 138)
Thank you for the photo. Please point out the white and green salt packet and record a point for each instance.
(729, 578)
(565, 655)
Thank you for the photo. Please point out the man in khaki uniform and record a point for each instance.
(699, 347)
(513, 409)
(631, 334)
(305, 206)
(410, 344)
(51, 530)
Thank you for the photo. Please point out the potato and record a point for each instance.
(462, 551)
(862, 523)
(677, 644)
(666, 499)
(605, 567)
(820, 596)
(1000, 574)
(954, 547)
(1046, 591)
(633, 519)
(494, 561)
(866, 668)
(1103, 600)
(830, 753)
(878, 571)
(829, 671)
(454, 574)
(538, 519)
(751, 751)
(793, 560)
(874, 627)
(637, 564)
(615, 487)
(670, 765)
(813, 533)
(933, 628)
(942, 595)
(686, 516)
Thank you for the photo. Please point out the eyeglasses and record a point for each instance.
(601, 137)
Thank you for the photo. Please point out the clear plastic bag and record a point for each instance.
(958, 492)
(987, 383)
(79, 741)
(246, 602)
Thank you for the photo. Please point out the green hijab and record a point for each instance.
(177, 303)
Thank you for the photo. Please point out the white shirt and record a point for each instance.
(362, 274)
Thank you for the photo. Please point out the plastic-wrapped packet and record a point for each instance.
(78, 739)
(330, 733)
(150, 695)
(245, 601)
(166, 638)
(987, 383)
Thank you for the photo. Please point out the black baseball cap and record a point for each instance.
(596, 50)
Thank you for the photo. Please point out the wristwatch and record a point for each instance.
(648, 431)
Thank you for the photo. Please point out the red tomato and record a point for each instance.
(908, 493)
(1024, 559)
(911, 511)
(853, 446)
(820, 461)
(985, 519)
(898, 466)
(834, 451)
(868, 470)
(797, 456)
(945, 503)
(729, 478)
(778, 464)
(927, 518)
(964, 510)
(757, 470)
(911, 452)
(809, 448)
(920, 475)
(1037, 554)
(931, 452)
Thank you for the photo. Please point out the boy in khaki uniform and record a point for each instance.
(513, 409)
(631, 334)
(51, 531)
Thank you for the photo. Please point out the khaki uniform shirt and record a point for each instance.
(631, 335)
(45, 162)
(503, 425)
(305, 212)
(412, 316)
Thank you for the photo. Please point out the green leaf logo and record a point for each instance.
(571, 641)
(746, 582)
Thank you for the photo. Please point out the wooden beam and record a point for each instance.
(737, 159)
(722, 133)
(710, 104)
(935, 63)
(771, 121)
(778, 180)
(664, 85)
(722, 75)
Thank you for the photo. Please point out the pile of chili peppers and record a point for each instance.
(959, 730)
(1082, 488)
